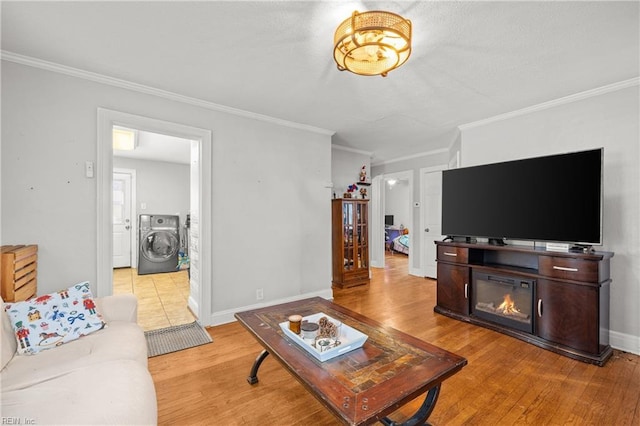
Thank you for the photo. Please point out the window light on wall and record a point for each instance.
(124, 139)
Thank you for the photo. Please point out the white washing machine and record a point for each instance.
(159, 243)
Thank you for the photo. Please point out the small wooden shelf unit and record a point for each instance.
(571, 294)
(19, 272)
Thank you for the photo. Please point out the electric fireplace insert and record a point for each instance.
(503, 300)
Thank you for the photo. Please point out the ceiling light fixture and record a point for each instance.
(372, 43)
(124, 139)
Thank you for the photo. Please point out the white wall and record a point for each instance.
(345, 169)
(269, 200)
(609, 120)
(163, 187)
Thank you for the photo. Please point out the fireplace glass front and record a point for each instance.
(504, 300)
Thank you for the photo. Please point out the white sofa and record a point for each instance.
(101, 378)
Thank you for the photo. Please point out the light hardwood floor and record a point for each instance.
(506, 382)
(162, 298)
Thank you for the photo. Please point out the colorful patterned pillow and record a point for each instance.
(48, 321)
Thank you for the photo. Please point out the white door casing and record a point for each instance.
(123, 223)
(431, 218)
(376, 230)
(199, 303)
(194, 229)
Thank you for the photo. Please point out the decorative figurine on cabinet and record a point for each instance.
(363, 174)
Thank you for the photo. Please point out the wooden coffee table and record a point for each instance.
(366, 384)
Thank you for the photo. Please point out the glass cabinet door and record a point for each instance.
(348, 233)
(362, 235)
(355, 233)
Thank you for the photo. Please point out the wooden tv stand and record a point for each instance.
(570, 294)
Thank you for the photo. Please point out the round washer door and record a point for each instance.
(158, 246)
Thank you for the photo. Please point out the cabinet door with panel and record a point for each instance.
(568, 314)
(350, 236)
(453, 288)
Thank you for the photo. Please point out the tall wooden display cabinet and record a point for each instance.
(350, 242)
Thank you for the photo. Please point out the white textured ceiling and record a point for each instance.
(470, 60)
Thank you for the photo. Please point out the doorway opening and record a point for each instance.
(199, 299)
(150, 236)
(395, 219)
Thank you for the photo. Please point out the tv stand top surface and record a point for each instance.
(594, 255)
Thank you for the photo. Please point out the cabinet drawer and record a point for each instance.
(453, 254)
(568, 269)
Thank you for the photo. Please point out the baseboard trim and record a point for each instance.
(226, 316)
(417, 272)
(625, 342)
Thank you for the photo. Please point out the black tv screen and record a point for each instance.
(556, 198)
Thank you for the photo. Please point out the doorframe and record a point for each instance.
(376, 234)
(133, 258)
(423, 172)
(201, 305)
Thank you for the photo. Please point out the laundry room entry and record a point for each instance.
(158, 202)
(172, 166)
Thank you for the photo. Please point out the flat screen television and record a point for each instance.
(557, 198)
(388, 220)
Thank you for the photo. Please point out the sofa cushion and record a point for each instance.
(117, 392)
(121, 340)
(8, 338)
(118, 307)
(48, 321)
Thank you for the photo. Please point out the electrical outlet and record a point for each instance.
(259, 294)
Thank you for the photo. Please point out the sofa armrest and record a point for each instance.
(119, 307)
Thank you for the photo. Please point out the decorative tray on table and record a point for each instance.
(324, 348)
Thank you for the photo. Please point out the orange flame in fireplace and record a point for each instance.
(508, 306)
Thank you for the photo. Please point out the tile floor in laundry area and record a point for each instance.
(162, 298)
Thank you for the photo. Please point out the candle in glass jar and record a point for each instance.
(294, 323)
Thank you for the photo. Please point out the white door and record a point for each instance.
(122, 225)
(432, 211)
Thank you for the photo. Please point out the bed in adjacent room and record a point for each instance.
(401, 244)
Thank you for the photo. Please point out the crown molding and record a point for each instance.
(411, 157)
(556, 102)
(128, 85)
(355, 151)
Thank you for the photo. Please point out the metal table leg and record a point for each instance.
(253, 376)
(420, 417)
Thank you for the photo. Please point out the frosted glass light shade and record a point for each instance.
(372, 43)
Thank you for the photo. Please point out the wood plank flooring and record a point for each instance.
(506, 382)
(162, 298)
